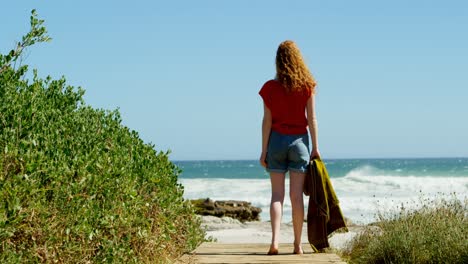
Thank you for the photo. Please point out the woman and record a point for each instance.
(285, 143)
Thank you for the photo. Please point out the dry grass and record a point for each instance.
(436, 232)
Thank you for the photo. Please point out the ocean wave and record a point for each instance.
(369, 180)
(362, 192)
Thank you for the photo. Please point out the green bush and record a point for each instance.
(437, 232)
(77, 186)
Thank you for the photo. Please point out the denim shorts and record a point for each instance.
(287, 153)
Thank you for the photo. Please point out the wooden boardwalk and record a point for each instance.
(255, 253)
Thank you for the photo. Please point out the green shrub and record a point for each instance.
(437, 232)
(77, 186)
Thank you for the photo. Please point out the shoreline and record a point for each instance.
(229, 230)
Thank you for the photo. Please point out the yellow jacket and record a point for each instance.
(324, 214)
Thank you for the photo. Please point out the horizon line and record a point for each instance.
(359, 158)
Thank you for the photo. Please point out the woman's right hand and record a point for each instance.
(315, 154)
(263, 159)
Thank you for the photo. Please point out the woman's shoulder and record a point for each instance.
(268, 88)
(270, 84)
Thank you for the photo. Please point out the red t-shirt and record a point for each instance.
(287, 108)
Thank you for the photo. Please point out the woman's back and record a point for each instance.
(287, 107)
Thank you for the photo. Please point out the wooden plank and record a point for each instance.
(269, 259)
(255, 253)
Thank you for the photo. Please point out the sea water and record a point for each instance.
(365, 187)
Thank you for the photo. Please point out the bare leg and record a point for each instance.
(276, 208)
(296, 186)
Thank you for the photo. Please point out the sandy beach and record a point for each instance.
(229, 230)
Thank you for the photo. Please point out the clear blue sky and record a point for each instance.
(392, 75)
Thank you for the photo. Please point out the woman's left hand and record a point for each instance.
(263, 159)
(315, 154)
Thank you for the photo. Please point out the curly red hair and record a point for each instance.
(291, 70)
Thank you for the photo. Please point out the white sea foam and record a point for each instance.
(362, 192)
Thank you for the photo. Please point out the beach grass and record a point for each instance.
(435, 232)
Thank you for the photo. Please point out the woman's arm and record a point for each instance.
(266, 130)
(313, 130)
